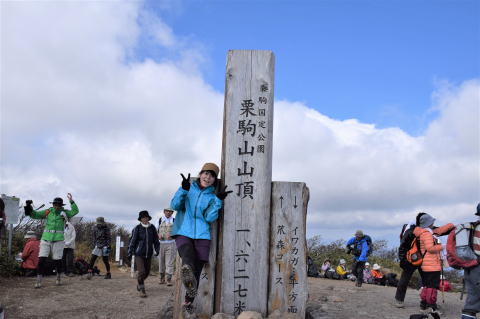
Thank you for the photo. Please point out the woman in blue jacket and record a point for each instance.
(197, 206)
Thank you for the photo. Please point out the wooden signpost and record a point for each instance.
(251, 261)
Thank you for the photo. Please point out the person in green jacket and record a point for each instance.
(52, 240)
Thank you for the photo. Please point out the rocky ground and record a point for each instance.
(117, 298)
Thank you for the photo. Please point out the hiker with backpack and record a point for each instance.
(408, 244)
(52, 240)
(360, 246)
(168, 250)
(197, 205)
(101, 242)
(431, 266)
(143, 243)
(463, 252)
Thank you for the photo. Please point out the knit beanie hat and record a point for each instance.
(426, 221)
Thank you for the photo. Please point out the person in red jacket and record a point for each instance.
(29, 254)
(444, 284)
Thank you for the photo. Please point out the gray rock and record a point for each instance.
(250, 315)
(166, 311)
(315, 312)
(221, 315)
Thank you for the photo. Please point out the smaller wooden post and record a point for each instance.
(288, 290)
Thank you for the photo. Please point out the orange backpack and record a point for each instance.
(414, 254)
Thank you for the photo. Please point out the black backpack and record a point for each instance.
(406, 239)
(81, 266)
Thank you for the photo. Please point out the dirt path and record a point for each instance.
(117, 298)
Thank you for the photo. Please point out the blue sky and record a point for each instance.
(377, 61)
(377, 104)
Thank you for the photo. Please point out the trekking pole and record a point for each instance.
(442, 280)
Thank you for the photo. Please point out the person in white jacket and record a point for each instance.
(67, 259)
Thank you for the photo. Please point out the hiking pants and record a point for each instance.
(166, 259)
(472, 285)
(142, 265)
(358, 270)
(67, 260)
(105, 262)
(430, 281)
(407, 273)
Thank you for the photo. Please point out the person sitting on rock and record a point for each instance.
(327, 264)
(367, 275)
(342, 269)
(377, 275)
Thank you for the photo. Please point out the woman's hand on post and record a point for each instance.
(222, 193)
(186, 182)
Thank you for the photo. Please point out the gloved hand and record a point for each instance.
(186, 182)
(28, 207)
(222, 193)
(63, 215)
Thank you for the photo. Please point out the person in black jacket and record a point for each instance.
(101, 242)
(142, 243)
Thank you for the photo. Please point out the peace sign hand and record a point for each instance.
(222, 193)
(186, 182)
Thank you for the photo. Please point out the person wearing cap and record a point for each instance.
(53, 237)
(143, 243)
(29, 254)
(67, 259)
(430, 247)
(377, 275)
(367, 274)
(341, 269)
(168, 250)
(101, 242)
(197, 205)
(472, 275)
(360, 249)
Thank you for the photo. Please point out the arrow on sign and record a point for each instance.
(295, 204)
(281, 201)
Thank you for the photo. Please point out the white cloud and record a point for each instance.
(78, 115)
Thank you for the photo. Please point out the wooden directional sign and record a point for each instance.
(288, 275)
(247, 170)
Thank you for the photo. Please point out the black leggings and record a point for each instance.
(189, 257)
(105, 261)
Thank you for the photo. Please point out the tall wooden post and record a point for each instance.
(243, 261)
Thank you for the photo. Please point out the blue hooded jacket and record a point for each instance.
(362, 246)
(196, 209)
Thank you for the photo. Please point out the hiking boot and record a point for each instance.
(141, 290)
(358, 284)
(38, 283)
(169, 282)
(189, 281)
(423, 305)
(398, 304)
(108, 276)
(90, 274)
(162, 281)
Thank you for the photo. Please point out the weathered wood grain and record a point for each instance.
(247, 170)
(288, 291)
